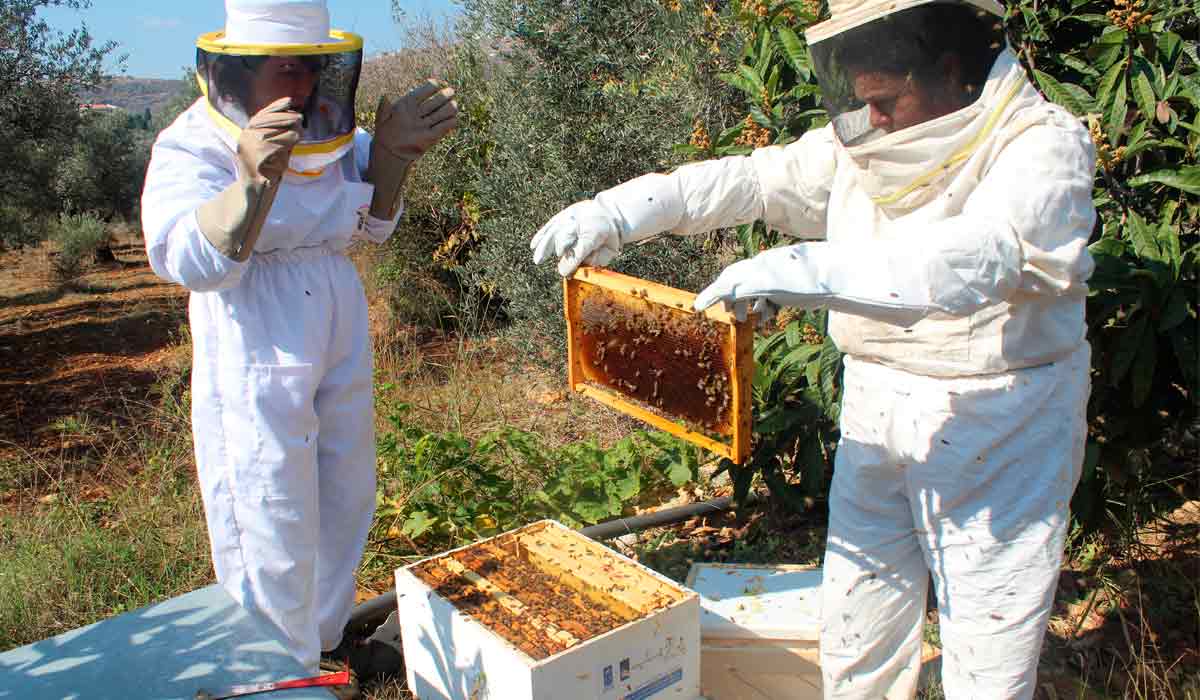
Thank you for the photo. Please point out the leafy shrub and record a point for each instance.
(19, 226)
(1132, 71)
(78, 236)
(443, 488)
(421, 269)
(593, 95)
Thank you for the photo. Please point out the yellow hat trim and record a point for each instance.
(342, 42)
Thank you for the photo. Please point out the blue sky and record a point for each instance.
(160, 36)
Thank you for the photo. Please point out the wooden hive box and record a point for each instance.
(759, 627)
(544, 613)
(639, 347)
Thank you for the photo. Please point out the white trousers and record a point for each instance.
(966, 479)
(282, 414)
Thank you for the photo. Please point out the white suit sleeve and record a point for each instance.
(787, 186)
(370, 228)
(1025, 227)
(178, 180)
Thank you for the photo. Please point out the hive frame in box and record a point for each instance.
(740, 340)
(451, 655)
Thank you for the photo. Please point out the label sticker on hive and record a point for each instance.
(640, 347)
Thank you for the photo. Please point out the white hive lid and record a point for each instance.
(758, 602)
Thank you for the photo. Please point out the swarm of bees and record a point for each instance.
(672, 360)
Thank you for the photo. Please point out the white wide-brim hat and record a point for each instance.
(278, 27)
(845, 15)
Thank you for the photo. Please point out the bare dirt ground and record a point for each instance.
(88, 349)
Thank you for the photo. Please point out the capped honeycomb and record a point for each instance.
(639, 347)
(545, 589)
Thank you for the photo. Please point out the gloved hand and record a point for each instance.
(773, 278)
(584, 232)
(593, 231)
(763, 309)
(404, 130)
(232, 221)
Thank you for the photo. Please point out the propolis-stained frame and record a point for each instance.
(737, 340)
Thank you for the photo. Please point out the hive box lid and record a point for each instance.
(741, 601)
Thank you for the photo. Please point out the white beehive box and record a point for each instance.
(544, 613)
(760, 627)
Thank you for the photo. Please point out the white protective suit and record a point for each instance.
(282, 408)
(960, 307)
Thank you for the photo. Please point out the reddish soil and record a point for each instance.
(89, 349)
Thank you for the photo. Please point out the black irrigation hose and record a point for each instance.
(371, 613)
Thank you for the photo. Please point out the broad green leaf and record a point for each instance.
(1168, 235)
(793, 334)
(1144, 238)
(730, 135)
(418, 523)
(1143, 89)
(831, 364)
(1079, 65)
(1129, 343)
(1069, 95)
(796, 53)
(1190, 47)
(1106, 56)
(801, 355)
(1170, 45)
(812, 465)
(766, 52)
(630, 484)
(741, 82)
(686, 149)
(1114, 116)
(1177, 310)
(1186, 178)
(1142, 374)
(1104, 92)
(753, 77)
(679, 473)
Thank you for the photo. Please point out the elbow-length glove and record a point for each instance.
(593, 231)
(404, 130)
(233, 220)
(894, 281)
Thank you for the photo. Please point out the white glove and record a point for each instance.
(764, 309)
(584, 232)
(593, 231)
(775, 277)
(894, 282)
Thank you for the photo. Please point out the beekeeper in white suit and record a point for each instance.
(251, 199)
(954, 206)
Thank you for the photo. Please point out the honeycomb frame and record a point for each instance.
(640, 348)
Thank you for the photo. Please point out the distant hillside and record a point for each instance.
(136, 94)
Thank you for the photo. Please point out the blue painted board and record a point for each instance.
(166, 651)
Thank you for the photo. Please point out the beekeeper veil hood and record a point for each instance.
(912, 87)
(283, 48)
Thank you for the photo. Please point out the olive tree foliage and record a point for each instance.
(42, 72)
(585, 96)
(103, 169)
